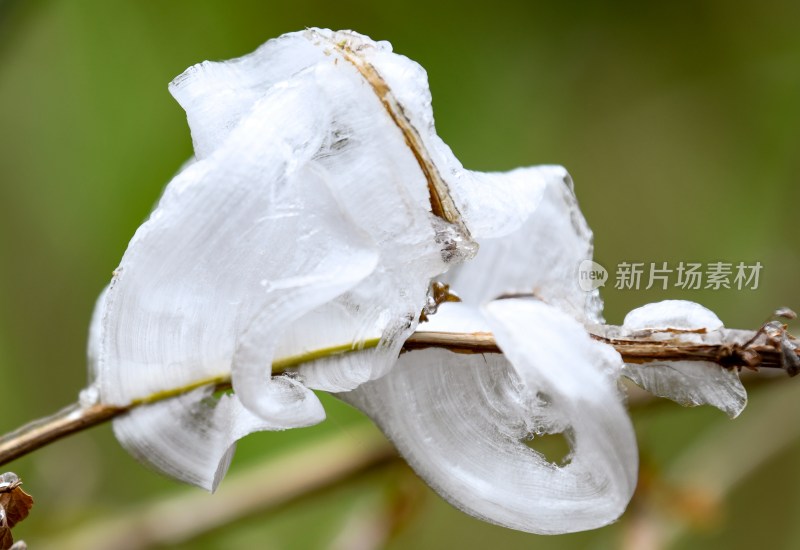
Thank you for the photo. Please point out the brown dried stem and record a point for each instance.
(732, 349)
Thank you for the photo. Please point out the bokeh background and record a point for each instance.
(680, 124)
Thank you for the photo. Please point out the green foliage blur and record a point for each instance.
(680, 124)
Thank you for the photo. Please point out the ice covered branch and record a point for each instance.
(733, 349)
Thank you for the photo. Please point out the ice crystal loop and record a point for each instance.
(318, 208)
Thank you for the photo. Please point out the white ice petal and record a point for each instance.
(226, 241)
(282, 399)
(191, 438)
(672, 314)
(461, 421)
(490, 204)
(496, 204)
(540, 256)
(217, 95)
(689, 383)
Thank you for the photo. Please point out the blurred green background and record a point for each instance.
(680, 124)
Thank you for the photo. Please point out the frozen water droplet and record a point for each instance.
(89, 396)
(455, 246)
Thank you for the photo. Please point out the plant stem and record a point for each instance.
(730, 349)
(442, 204)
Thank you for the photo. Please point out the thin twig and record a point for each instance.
(71, 419)
(730, 349)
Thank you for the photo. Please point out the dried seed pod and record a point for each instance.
(15, 505)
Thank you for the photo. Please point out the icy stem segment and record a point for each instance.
(462, 422)
(537, 252)
(689, 383)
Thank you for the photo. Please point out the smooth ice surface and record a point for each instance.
(461, 422)
(689, 383)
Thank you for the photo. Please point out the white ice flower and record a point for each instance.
(319, 206)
